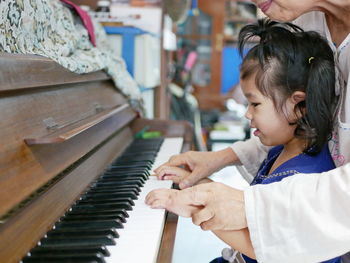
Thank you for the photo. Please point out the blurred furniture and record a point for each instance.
(214, 28)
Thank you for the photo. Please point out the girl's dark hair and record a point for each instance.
(287, 59)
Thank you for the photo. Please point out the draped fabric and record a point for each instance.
(52, 29)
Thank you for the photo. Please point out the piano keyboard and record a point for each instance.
(110, 222)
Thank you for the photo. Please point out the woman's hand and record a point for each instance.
(172, 200)
(213, 206)
(223, 207)
(198, 165)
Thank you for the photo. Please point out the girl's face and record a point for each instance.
(272, 126)
(285, 10)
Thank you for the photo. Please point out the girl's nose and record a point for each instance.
(248, 114)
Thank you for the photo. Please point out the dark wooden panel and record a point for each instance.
(70, 131)
(20, 233)
(24, 168)
(27, 71)
(168, 239)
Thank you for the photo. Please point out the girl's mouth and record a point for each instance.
(257, 132)
(264, 6)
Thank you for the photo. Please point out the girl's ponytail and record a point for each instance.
(320, 101)
(269, 33)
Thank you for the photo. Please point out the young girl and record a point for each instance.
(288, 79)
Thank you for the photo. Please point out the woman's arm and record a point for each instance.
(303, 218)
(237, 239)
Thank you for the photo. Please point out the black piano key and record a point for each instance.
(93, 224)
(146, 141)
(97, 217)
(105, 207)
(122, 181)
(97, 208)
(83, 232)
(111, 190)
(126, 182)
(70, 251)
(136, 158)
(131, 166)
(136, 148)
(108, 188)
(129, 170)
(147, 163)
(121, 212)
(110, 195)
(120, 176)
(124, 174)
(149, 153)
(65, 259)
(143, 145)
(106, 200)
(80, 241)
(123, 178)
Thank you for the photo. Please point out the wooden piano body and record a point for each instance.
(59, 130)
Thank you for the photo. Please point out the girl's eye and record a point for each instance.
(255, 104)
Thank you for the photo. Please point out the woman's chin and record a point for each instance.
(278, 15)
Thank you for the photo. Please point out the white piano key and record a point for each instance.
(170, 147)
(140, 238)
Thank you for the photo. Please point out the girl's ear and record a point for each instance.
(295, 107)
(297, 97)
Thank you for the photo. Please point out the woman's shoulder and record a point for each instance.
(311, 21)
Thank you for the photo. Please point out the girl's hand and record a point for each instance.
(198, 165)
(173, 173)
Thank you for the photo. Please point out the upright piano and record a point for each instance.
(72, 175)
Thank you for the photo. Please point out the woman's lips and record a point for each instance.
(264, 6)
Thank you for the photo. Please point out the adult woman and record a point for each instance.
(302, 236)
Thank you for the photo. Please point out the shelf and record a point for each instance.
(195, 36)
(68, 132)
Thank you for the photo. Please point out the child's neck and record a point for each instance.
(290, 150)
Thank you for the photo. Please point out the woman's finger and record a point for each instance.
(203, 215)
(175, 179)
